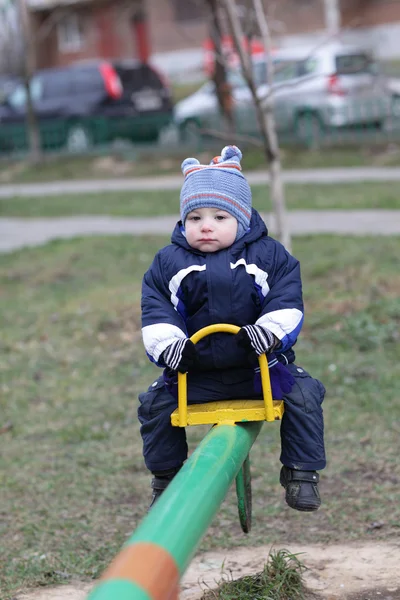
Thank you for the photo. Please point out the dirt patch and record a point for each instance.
(354, 572)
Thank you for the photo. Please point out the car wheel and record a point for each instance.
(396, 107)
(78, 140)
(309, 129)
(190, 132)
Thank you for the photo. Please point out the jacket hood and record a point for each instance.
(257, 230)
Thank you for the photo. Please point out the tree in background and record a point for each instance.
(222, 87)
(17, 59)
(28, 70)
(256, 19)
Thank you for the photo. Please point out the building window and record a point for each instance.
(70, 33)
(189, 10)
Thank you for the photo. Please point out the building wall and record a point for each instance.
(369, 13)
(176, 40)
(169, 34)
(289, 17)
(108, 33)
(381, 40)
(371, 24)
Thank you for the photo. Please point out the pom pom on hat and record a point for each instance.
(188, 162)
(227, 154)
(230, 152)
(217, 185)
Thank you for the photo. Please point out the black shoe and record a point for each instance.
(301, 489)
(160, 482)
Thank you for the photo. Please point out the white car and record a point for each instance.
(314, 91)
(393, 85)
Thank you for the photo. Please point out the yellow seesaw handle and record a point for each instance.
(262, 359)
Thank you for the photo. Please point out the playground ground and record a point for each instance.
(357, 571)
(357, 528)
(352, 295)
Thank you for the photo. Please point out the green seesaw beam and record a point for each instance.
(153, 560)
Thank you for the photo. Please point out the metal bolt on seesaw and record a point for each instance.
(153, 560)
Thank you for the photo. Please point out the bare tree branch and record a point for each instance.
(265, 118)
(29, 68)
(276, 183)
(222, 88)
(47, 26)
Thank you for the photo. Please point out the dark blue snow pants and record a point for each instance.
(302, 426)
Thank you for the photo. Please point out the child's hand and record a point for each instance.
(256, 339)
(180, 355)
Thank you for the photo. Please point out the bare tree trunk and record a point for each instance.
(265, 115)
(276, 183)
(29, 70)
(332, 17)
(222, 87)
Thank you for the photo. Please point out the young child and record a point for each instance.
(222, 267)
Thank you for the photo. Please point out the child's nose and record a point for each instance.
(206, 225)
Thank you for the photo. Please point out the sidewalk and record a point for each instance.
(170, 182)
(18, 233)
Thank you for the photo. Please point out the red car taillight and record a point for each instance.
(112, 82)
(334, 86)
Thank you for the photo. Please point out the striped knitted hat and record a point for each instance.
(217, 185)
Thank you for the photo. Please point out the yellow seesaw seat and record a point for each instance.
(226, 411)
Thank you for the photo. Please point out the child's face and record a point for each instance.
(210, 229)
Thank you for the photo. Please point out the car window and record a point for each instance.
(236, 79)
(151, 78)
(17, 98)
(260, 73)
(57, 84)
(351, 64)
(135, 79)
(307, 67)
(285, 70)
(131, 79)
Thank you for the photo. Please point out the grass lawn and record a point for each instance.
(142, 160)
(73, 482)
(151, 203)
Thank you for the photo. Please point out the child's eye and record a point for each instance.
(220, 217)
(194, 218)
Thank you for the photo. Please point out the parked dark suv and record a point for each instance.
(87, 104)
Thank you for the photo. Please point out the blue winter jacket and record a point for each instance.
(253, 281)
